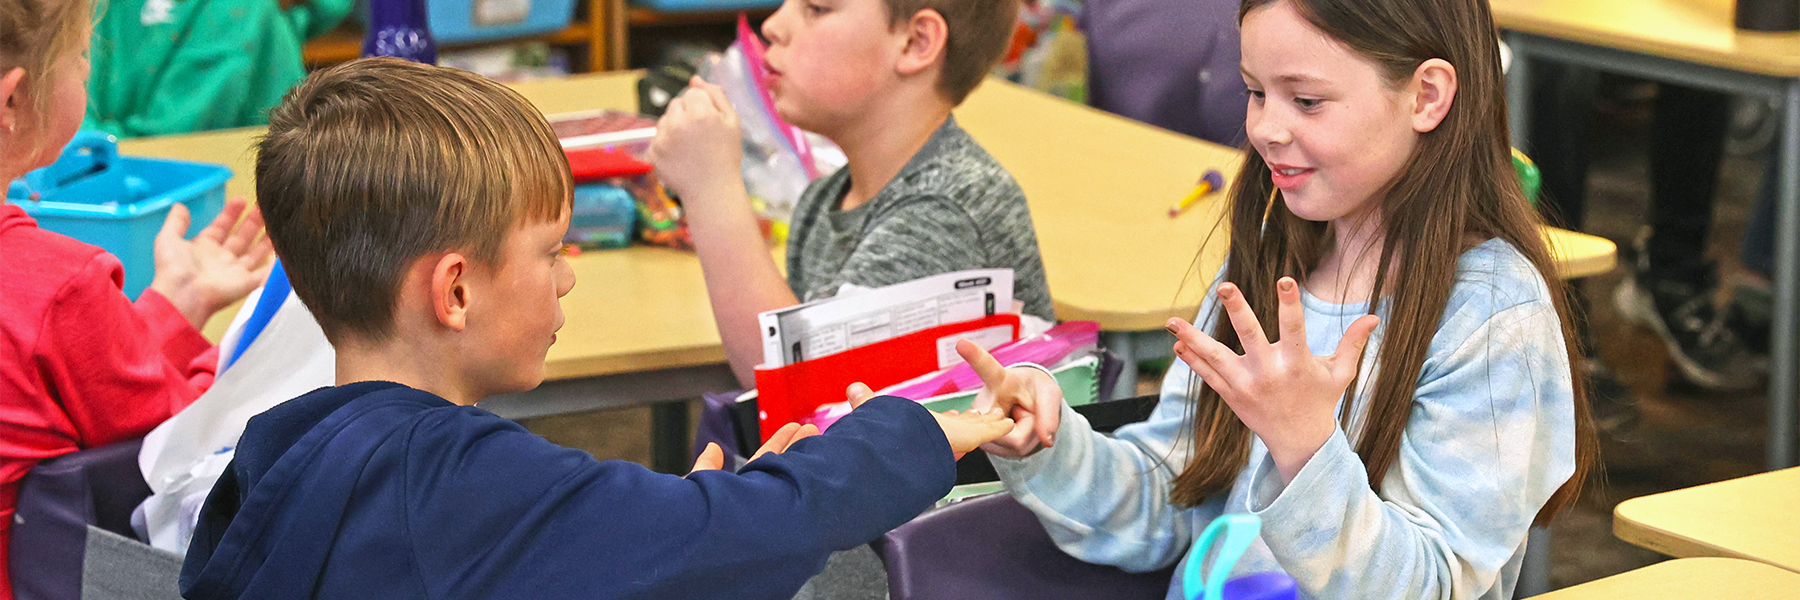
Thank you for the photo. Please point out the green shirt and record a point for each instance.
(176, 66)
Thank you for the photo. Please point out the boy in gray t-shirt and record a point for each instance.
(952, 207)
(918, 197)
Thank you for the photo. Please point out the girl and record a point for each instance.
(82, 366)
(1378, 209)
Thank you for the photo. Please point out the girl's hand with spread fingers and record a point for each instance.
(1030, 396)
(1283, 393)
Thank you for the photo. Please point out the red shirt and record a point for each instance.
(81, 366)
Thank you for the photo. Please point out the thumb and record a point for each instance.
(984, 364)
(174, 228)
(858, 394)
(711, 459)
(1350, 349)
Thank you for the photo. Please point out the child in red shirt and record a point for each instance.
(82, 366)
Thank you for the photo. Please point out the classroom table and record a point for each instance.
(1692, 43)
(1749, 517)
(640, 328)
(1687, 579)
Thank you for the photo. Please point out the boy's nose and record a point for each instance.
(774, 28)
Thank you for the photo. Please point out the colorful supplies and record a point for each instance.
(1048, 348)
(1240, 530)
(604, 216)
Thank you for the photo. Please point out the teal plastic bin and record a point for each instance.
(118, 202)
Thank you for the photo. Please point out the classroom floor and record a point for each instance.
(1685, 437)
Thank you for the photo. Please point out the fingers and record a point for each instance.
(711, 459)
(1201, 367)
(1243, 320)
(175, 226)
(244, 232)
(1350, 349)
(858, 394)
(779, 441)
(217, 230)
(992, 373)
(1225, 364)
(806, 431)
(1291, 316)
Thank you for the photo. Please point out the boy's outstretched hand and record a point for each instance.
(966, 431)
(713, 458)
(218, 267)
(698, 151)
(1033, 399)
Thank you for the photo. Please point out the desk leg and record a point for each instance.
(1518, 90)
(1120, 344)
(669, 437)
(1784, 356)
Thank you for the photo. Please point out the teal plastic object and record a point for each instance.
(1240, 531)
(470, 21)
(118, 202)
(604, 216)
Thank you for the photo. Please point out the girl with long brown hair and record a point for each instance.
(1385, 375)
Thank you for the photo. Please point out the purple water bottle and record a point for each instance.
(398, 28)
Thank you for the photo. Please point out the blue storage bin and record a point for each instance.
(118, 202)
(604, 216)
(705, 5)
(469, 21)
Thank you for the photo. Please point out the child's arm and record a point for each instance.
(1491, 437)
(698, 153)
(538, 520)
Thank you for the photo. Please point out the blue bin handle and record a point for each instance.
(90, 152)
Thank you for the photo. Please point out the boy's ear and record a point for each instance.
(1433, 90)
(14, 99)
(926, 34)
(450, 290)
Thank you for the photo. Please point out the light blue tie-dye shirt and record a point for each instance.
(1491, 437)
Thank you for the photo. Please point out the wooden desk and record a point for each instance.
(1691, 43)
(1755, 518)
(640, 327)
(1688, 578)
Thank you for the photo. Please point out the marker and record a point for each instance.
(1209, 183)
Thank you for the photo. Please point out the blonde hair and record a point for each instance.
(37, 35)
(370, 165)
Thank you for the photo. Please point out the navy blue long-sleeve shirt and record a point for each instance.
(378, 490)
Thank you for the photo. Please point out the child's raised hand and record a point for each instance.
(1283, 393)
(218, 267)
(1031, 398)
(698, 147)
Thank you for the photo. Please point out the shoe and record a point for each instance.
(1749, 315)
(1613, 406)
(1676, 304)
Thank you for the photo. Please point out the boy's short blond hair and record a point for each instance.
(37, 35)
(978, 34)
(370, 165)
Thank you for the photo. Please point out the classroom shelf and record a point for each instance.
(590, 29)
(638, 16)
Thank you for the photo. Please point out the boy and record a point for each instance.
(919, 197)
(420, 214)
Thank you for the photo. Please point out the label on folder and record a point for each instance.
(825, 327)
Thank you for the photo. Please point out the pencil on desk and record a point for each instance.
(1209, 183)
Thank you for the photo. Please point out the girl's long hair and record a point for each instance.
(1457, 189)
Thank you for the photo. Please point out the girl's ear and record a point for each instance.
(13, 99)
(926, 34)
(1433, 90)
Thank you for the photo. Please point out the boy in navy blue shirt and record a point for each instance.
(419, 212)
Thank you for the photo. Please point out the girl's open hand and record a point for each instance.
(698, 148)
(218, 267)
(1283, 393)
(1030, 397)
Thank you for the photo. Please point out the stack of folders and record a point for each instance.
(880, 337)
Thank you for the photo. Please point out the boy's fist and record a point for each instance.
(698, 147)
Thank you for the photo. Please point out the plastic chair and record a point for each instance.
(992, 547)
(57, 502)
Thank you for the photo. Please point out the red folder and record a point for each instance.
(784, 394)
(594, 164)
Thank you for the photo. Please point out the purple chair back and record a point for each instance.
(1169, 63)
(992, 547)
(58, 499)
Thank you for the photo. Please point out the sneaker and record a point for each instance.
(1677, 307)
(1751, 309)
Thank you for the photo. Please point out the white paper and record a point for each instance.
(825, 327)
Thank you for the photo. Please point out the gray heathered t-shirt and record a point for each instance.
(952, 207)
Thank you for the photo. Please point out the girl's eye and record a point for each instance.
(1307, 103)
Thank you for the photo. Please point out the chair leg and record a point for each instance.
(1534, 574)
